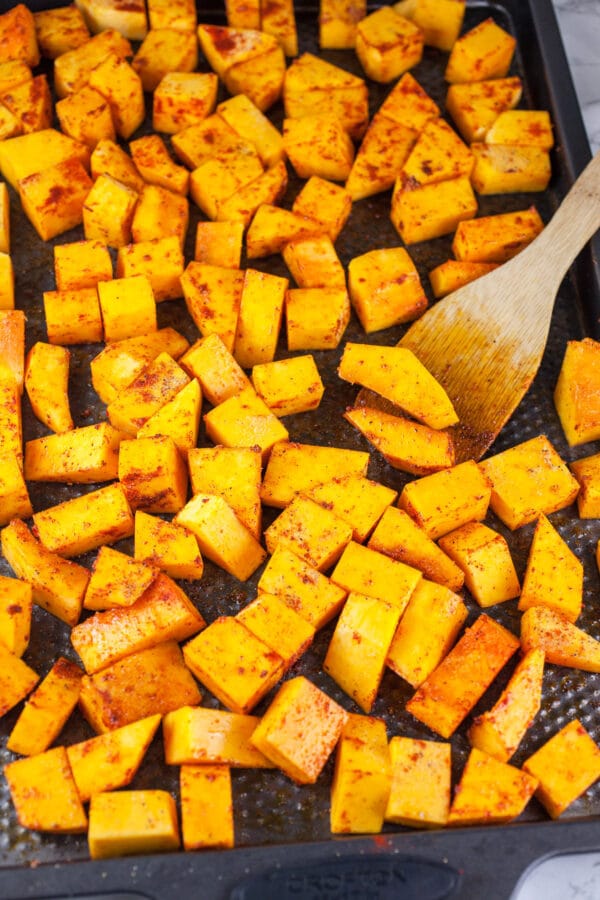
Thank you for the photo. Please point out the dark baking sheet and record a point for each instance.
(277, 822)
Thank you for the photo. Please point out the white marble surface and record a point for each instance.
(579, 23)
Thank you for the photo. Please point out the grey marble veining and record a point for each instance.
(579, 23)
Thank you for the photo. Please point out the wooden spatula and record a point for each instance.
(484, 342)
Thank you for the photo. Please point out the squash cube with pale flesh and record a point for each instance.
(153, 474)
(44, 794)
(484, 556)
(17, 679)
(439, 20)
(206, 788)
(162, 51)
(14, 72)
(587, 472)
(314, 263)
(58, 585)
(302, 587)
(233, 473)
(85, 455)
(109, 158)
(108, 212)
(359, 646)
(577, 392)
(128, 307)
(365, 571)
(279, 626)
(385, 288)
(16, 601)
(11, 427)
(475, 106)
(300, 729)
(445, 500)
(565, 766)
(120, 84)
(60, 30)
(212, 138)
(361, 779)
(404, 444)
(259, 319)
(221, 536)
(234, 664)
(46, 383)
(494, 239)
(219, 243)
(427, 630)
(279, 19)
(86, 117)
(47, 710)
(563, 642)
(128, 19)
(243, 13)
(388, 44)
(81, 265)
(437, 155)
(356, 499)
(182, 99)
(157, 383)
(483, 52)
(123, 823)
(500, 730)
(337, 23)
(289, 386)
(421, 782)
(53, 199)
(169, 547)
(316, 318)
(399, 536)
(14, 495)
(554, 575)
(18, 39)
(431, 210)
(314, 534)
(212, 297)
(446, 696)
(379, 160)
(527, 480)
(160, 213)
(318, 145)
(116, 580)
(501, 169)
(245, 420)
(490, 792)
(156, 166)
(252, 125)
(219, 374)
(73, 316)
(201, 736)
(146, 683)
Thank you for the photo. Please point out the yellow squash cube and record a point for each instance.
(289, 386)
(86, 117)
(272, 228)
(206, 807)
(60, 30)
(182, 99)
(108, 158)
(385, 288)
(243, 14)
(155, 384)
(279, 626)
(378, 163)
(53, 199)
(522, 127)
(28, 154)
(496, 238)
(432, 210)
(421, 780)
(484, 557)
(362, 776)
(215, 180)
(212, 296)
(245, 421)
(12, 73)
(439, 20)
(337, 23)
(365, 571)
(132, 822)
(475, 106)
(219, 243)
(554, 576)
(241, 206)
(409, 104)
(129, 19)
(44, 794)
(31, 104)
(484, 52)
(115, 79)
(197, 735)
(83, 455)
(160, 213)
(16, 600)
(172, 14)
(490, 792)
(14, 496)
(154, 163)
(437, 155)
(167, 546)
(233, 473)
(296, 468)
(73, 316)
(587, 473)
(116, 580)
(318, 145)
(278, 19)
(259, 319)
(252, 125)
(108, 212)
(17, 680)
(12, 350)
(219, 374)
(46, 383)
(356, 499)
(179, 419)
(563, 643)
(327, 203)
(314, 534)
(453, 274)
(501, 169)
(153, 474)
(316, 318)
(161, 261)
(388, 44)
(18, 38)
(577, 392)
(211, 138)
(165, 50)
(314, 263)
(128, 307)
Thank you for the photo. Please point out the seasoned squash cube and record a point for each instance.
(484, 52)
(46, 383)
(337, 23)
(431, 210)
(154, 163)
(279, 626)
(128, 19)
(272, 228)
(565, 766)
(361, 779)
(132, 822)
(12, 357)
(522, 128)
(212, 296)
(219, 244)
(17, 679)
(318, 145)
(439, 20)
(206, 807)
(475, 106)
(28, 154)
(278, 19)
(385, 288)
(242, 205)
(219, 374)
(314, 534)
(326, 203)
(86, 117)
(14, 496)
(30, 103)
(496, 238)
(527, 480)
(316, 318)
(355, 499)
(234, 664)
(161, 261)
(409, 104)
(314, 263)
(437, 155)
(115, 79)
(108, 212)
(554, 576)
(224, 47)
(233, 473)
(179, 419)
(253, 126)
(108, 158)
(157, 383)
(245, 420)
(73, 316)
(365, 571)
(210, 138)
(289, 386)
(172, 14)
(85, 455)
(260, 78)
(128, 307)
(446, 696)
(380, 157)
(587, 473)
(16, 599)
(167, 546)
(60, 30)
(243, 13)
(116, 580)
(53, 199)
(165, 50)
(18, 40)
(484, 557)
(490, 792)
(153, 474)
(563, 643)
(501, 169)
(421, 780)
(577, 392)
(12, 73)
(259, 319)
(182, 99)
(453, 274)
(215, 180)
(387, 44)
(211, 736)
(44, 794)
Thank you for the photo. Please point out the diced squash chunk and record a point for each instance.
(563, 643)
(116, 580)
(245, 420)
(587, 472)
(328, 204)
(437, 155)
(44, 794)
(162, 51)
(356, 500)
(420, 789)
(153, 474)
(120, 84)
(182, 99)
(219, 374)
(196, 735)
(278, 625)
(361, 780)
(388, 44)
(172, 14)
(86, 117)
(385, 288)
(453, 274)
(108, 211)
(233, 473)
(431, 210)
(501, 169)
(173, 549)
(72, 69)
(60, 30)
(16, 599)
(295, 468)
(179, 418)
(368, 572)
(81, 265)
(486, 51)
(128, 307)
(439, 20)
(314, 263)
(73, 316)
(14, 495)
(160, 260)
(155, 384)
(47, 710)
(318, 145)
(577, 392)
(18, 39)
(496, 238)
(490, 792)
(53, 199)
(337, 23)
(316, 317)
(522, 127)
(46, 382)
(476, 105)
(409, 104)
(314, 534)
(289, 386)
(259, 320)
(380, 157)
(219, 243)
(108, 158)
(212, 296)
(484, 556)
(206, 806)
(160, 213)
(554, 576)
(17, 679)
(132, 822)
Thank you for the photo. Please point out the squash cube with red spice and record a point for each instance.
(365, 571)
(128, 19)
(490, 792)
(206, 787)
(252, 125)
(501, 169)
(115, 79)
(421, 783)
(165, 50)
(278, 19)
(212, 296)
(160, 213)
(314, 534)
(215, 180)
(259, 319)
(154, 163)
(157, 383)
(153, 474)
(316, 318)
(84, 455)
(326, 203)
(86, 117)
(44, 794)
(279, 626)
(361, 779)
(108, 212)
(484, 556)
(169, 547)
(233, 473)
(437, 155)
(219, 243)
(182, 99)
(132, 822)
(116, 580)
(385, 288)
(234, 664)
(30, 103)
(60, 30)
(496, 238)
(81, 264)
(109, 158)
(160, 260)
(483, 52)
(356, 499)
(14, 496)
(73, 316)
(17, 680)
(243, 14)
(475, 106)
(289, 386)
(554, 575)
(179, 418)
(18, 40)
(200, 736)
(563, 642)
(431, 210)
(439, 20)
(337, 23)
(16, 600)
(388, 44)
(53, 200)
(46, 383)
(128, 307)
(318, 145)
(219, 374)
(587, 472)
(577, 392)
(245, 420)
(384, 150)
(211, 138)
(179, 14)
(522, 128)
(272, 228)
(12, 73)
(314, 263)
(72, 69)
(29, 154)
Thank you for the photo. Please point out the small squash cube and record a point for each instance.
(73, 316)
(314, 534)
(12, 73)
(154, 163)
(577, 392)
(128, 19)
(272, 228)
(501, 169)
(259, 319)
(115, 79)
(46, 383)
(378, 163)
(587, 473)
(337, 23)
(17, 679)
(161, 261)
(260, 77)
(365, 571)
(172, 14)
(153, 474)
(108, 212)
(245, 420)
(475, 106)
(215, 180)
(14, 496)
(361, 780)
(228, 49)
(30, 103)
(563, 643)
(60, 30)
(431, 210)
(484, 557)
(44, 794)
(326, 203)
(388, 44)
(53, 200)
(219, 243)
(484, 52)
(212, 296)
(116, 580)
(12, 353)
(522, 128)
(182, 99)
(385, 288)
(496, 238)
(128, 307)
(86, 117)
(421, 780)
(252, 125)
(28, 154)
(157, 383)
(453, 274)
(132, 822)
(165, 50)
(318, 145)
(243, 14)
(316, 318)
(439, 20)
(198, 735)
(437, 155)
(83, 455)
(554, 576)
(179, 419)
(108, 158)
(279, 626)
(313, 263)
(167, 546)
(220, 376)
(278, 18)
(18, 39)
(206, 807)
(409, 104)
(300, 729)
(16, 598)
(233, 473)
(490, 792)
(356, 499)
(289, 386)
(212, 137)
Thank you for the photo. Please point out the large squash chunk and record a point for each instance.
(44, 793)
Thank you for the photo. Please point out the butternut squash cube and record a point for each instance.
(12, 348)
(240, 208)
(18, 40)
(30, 103)
(501, 169)
(153, 474)
(160, 213)
(279, 19)
(219, 243)
(16, 599)
(475, 106)
(326, 203)
(128, 307)
(484, 52)
(302, 587)
(132, 822)
(53, 199)
(272, 228)
(587, 473)
(172, 549)
(554, 576)
(206, 807)
(295, 468)
(117, 580)
(172, 14)
(300, 729)
(212, 296)
(356, 500)
(361, 779)
(522, 128)
(13, 72)
(440, 22)
(314, 534)
(162, 51)
(365, 571)
(195, 735)
(44, 794)
(259, 320)
(385, 288)
(143, 684)
(565, 766)
(11, 431)
(252, 125)
(314, 263)
(86, 117)
(28, 154)
(157, 383)
(84, 523)
(73, 316)
(446, 696)
(85, 455)
(108, 158)
(17, 679)
(427, 630)
(234, 664)
(337, 23)
(577, 392)
(499, 731)
(182, 99)
(154, 163)
(359, 646)
(163, 613)
(58, 585)
(9, 124)
(215, 180)
(316, 318)
(14, 495)
(563, 643)
(233, 473)
(243, 14)
(496, 238)
(420, 789)
(437, 155)
(161, 261)
(289, 386)
(47, 710)
(279, 626)
(46, 383)
(484, 557)
(490, 792)
(219, 374)
(129, 20)
(179, 419)
(453, 274)
(245, 421)
(60, 30)
(108, 212)
(318, 145)
(211, 138)
(409, 104)
(120, 84)
(431, 210)
(527, 480)
(387, 44)
(441, 502)
(379, 160)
